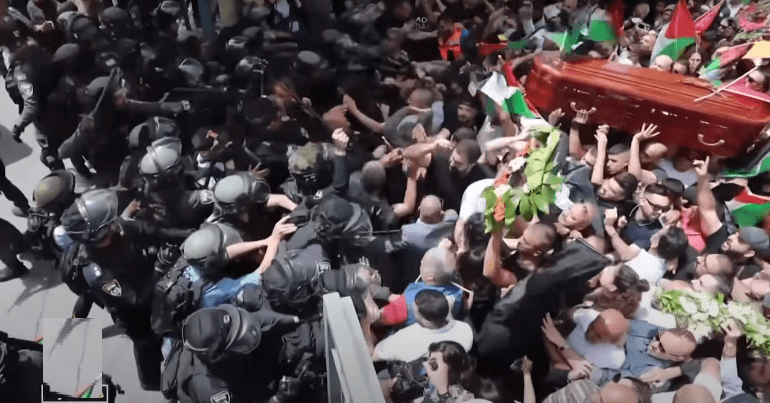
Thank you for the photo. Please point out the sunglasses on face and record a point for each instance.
(657, 207)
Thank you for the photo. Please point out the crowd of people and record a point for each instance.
(220, 187)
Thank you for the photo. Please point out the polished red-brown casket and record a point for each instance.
(626, 97)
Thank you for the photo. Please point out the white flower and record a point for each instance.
(700, 316)
(688, 306)
(525, 188)
(713, 308)
(500, 190)
(517, 164)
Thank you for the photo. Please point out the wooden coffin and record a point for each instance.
(625, 97)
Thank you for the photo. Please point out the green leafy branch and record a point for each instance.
(539, 192)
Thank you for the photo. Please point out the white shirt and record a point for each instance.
(648, 266)
(651, 315)
(607, 356)
(687, 178)
(472, 202)
(412, 342)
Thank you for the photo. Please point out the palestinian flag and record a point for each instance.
(749, 209)
(704, 22)
(516, 105)
(728, 56)
(606, 26)
(677, 35)
(566, 40)
(762, 166)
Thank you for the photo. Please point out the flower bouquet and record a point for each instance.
(706, 314)
(504, 202)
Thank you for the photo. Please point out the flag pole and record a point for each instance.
(726, 86)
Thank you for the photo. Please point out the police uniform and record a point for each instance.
(11, 192)
(21, 370)
(121, 278)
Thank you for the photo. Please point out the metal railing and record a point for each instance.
(348, 364)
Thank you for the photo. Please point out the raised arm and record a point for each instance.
(371, 124)
(625, 251)
(634, 163)
(493, 269)
(597, 178)
(707, 204)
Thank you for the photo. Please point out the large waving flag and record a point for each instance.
(749, 209)
(704, 22)
(677, 35)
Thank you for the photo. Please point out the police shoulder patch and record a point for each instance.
(113, 288)
(207, 197)
(221, 397)
(26, 89)
(21, 76)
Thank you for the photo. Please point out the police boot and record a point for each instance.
(18, 271)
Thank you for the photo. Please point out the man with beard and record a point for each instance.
(746, 248)
(449, 174)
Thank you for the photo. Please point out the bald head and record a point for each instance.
(693, 393)
(652, 153)
(430, 210)
(609, 327)
(616, 393)
(662, 63)
(438, 266)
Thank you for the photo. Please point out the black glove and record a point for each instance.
(17, 130)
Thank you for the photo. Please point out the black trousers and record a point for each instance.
(10, 190)
(12, 242)
(147, 345)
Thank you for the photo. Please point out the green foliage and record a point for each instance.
(540, 191)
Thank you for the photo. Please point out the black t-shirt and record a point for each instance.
(714, 241)
(449, 185)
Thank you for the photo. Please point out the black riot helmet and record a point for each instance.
(192, 71)
(161, 165)
(116, 23)
(311, 166)
(81, 28)
(235, 194)
(55, 190)
(210, 333)
(73, 57)
(249, 74)
(152, 129)
(90, 217)
(206, 248)
(337, 219)
(166, 14)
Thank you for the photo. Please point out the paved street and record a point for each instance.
(25, 303)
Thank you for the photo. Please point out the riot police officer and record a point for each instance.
(311, 178)
(117, 271)
(343, 229)
(241, 201)
(165, 199)
(141, 136)
(218, 342)
(33, 77)
(52, 195)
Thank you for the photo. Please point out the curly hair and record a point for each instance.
(626, 302)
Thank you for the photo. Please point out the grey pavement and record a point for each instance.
(25, 303)
(72, 354)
